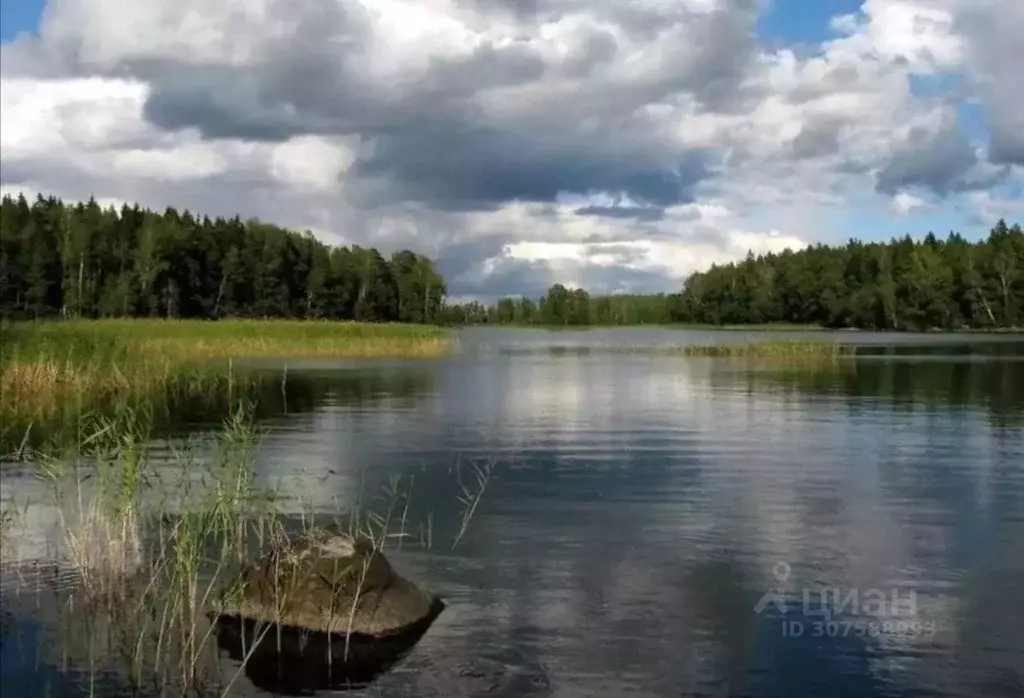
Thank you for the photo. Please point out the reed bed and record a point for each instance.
(751, 327)
(778, 349)
(152, 547)
(50, 367)
(792, 349)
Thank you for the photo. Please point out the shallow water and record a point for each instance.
(657, 525)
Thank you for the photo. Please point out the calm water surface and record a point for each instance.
(662, 526)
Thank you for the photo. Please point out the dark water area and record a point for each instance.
(654, 525)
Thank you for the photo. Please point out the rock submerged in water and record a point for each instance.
(342, 614)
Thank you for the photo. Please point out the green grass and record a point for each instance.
(54, 368)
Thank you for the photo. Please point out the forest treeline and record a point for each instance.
(902, 284)
(83, 260)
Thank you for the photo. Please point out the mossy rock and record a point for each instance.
(329, 583)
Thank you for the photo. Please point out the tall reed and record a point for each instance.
(52, 372)
(153, 545)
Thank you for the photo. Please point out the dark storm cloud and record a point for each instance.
(1007, 147)
(438, 135)
(597, 48)
(311, 77)
(312, 81)
(307, 87)
(421, 143)
(608, 280)
(816, 140)
(19, 172)
(726, 47)
(707, 235)
(462, 265)
(504, 66)
(523, 9)
(463, 257)
(939, 162)
(647, 213)
(994, 49)
(460, 163)
(306, 81)
(222, 105)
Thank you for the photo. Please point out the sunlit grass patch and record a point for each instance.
(51, 368)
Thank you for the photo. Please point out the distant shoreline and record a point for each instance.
(769, 327)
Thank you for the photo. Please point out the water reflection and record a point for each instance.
(270, 391)
(276, 392)
(295, 662)
(992, 385)
(640, 506)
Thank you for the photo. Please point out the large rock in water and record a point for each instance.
(338, 614)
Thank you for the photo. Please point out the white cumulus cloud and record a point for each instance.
(619, 146)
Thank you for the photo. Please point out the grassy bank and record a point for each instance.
(48, 368)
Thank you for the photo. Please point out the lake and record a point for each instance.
(652, 525)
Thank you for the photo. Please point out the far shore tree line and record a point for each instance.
(902, 284)
(83, 260)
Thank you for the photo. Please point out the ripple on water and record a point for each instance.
(639, 509)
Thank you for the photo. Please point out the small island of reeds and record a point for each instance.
(783, 349)
(780, 349)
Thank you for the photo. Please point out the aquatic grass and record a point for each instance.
(150, 568)
(782, 349)
(101, 520)
(156, 548)
(472, 493)
(751, 327)
(53, 371)
(8, 524)
(773, 349)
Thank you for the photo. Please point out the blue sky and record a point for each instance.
(18, 16)
(802, 21)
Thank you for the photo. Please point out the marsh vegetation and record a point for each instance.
(54, 373)
(776, 349)
(151, 552)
